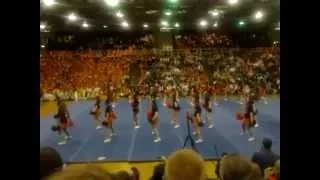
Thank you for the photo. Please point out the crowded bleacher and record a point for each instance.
(149, 52)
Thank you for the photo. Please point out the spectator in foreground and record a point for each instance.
(265, 157)
(81, 173)
(158, 172)
(183, 165)
(238, 167)
(50, 161)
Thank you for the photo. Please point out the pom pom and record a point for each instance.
(239, 116)
(149, 115)
(70, 123)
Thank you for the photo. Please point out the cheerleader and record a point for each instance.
(135, 104)
(248, 120)
(110, 116)
(153, 118)
(175, 107)
(63, 123)
(196, 122)
(95, 112)
(207, 105)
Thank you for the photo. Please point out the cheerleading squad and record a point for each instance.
(198, 102)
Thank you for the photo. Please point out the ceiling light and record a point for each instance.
(72, 17)
(85, 24)
(164, 23)
(203, 23)
(176, 25)
(43, 46)
(215, 24)
(215, 13)
(167, 13)
(241, 23)
(105, 26)
(145, 25)
(119, 14)
(48, 3)
(233, 2)
(42, 26)
(112, 3)
(124, 24)
(258, 15)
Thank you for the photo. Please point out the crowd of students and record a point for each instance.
(180, 165)
(229, 69)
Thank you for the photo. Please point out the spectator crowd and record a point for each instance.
(180, 165)
(231, 69)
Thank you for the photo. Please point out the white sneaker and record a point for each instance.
(62, 143)
(98, 127)
(108, 140)
(153, 133)
(210, 126)
(176, 126)
(194, 133)
(172, 122)
(137, 127)
(157, 140)
(199, 140)
(256, 125)
(251, 139)
(240, 102)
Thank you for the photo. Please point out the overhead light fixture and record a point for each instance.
(203, 23)
(173, 1)
(119, 14)
(145, 25)
(105, 26)
(258, 15)
(215, 24)
(233, 2)
(112, 3)
(167, 13)
(164, 23)
(241, 23)
(85, 25)
(72, 17)
(215, 13)
(48, 3)
(42, 26)
(125, 24)
(43, 46)
(176, 25)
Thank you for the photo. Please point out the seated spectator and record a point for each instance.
(158, 172)
(184, 164)
(50, 161)
(238, 167)
(265, 157)
(81, 173)
(131, 174)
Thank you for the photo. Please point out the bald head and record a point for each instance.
(184, 164)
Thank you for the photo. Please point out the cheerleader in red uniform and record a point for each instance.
(196, 121)
(110, 116)
(207, 105)
(153, 118)
(175, 107)
(262, 93)
(64, 122)
(247, 120)
(135, 109)
(95, 112)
